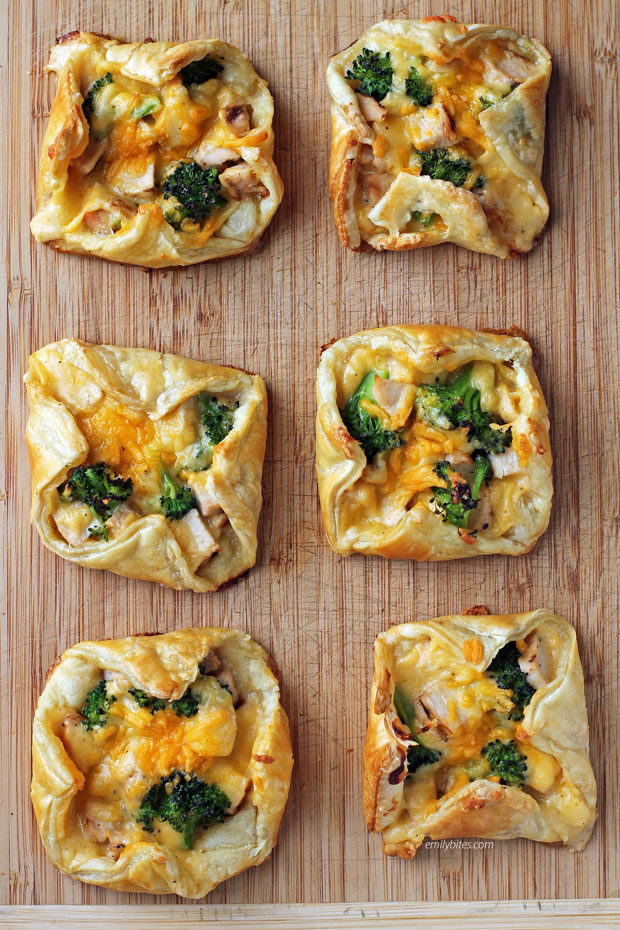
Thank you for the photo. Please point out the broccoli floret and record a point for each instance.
(455, 501)
(418, 88)
(197, 72)
(101, 488)
(96, 706)
(424, 218)
(373, 71)
(505, 670)
(456, 405)
(145, 700)
(439, 164)
(90, 101)
(216, 418)
(486, 103)
(506, 761)
(186, 802)
(175, 501)
(361, 425)
(482, 473)
(478, 183)
(186, 706)
(418, 754)
(191, 193)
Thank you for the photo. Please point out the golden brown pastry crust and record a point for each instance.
(69, 378)
(165, 665)
(145, 238)
(503, 222)
(555, 719)
(414, 354)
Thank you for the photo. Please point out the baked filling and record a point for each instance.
(151, 769)
(138, 467)
(445, 445)
(461, 725)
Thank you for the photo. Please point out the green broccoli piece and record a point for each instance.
(418, 88)
(89, 107)
(373, 72)
(362, 426)
(458, 404)
(506, 761)
(101, 488)
(175, 501)
(418, 754)
(482, 473)
(186, 706)
(439, 164)
(486, 103)
(217, 419)
(454, 502)
(424, 218)
(96, 706)
(505, 670)
(147, 106)
(145, 700)
(186, 802)
(191, 193)
(198, 72)
(478, 183)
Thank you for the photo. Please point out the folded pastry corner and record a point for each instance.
(438, 136)
(161, 763)
(432, 444)
(478, 727)
(156, 154)
(145, 464)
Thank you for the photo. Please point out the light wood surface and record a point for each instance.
(317, 613)
(531, 915)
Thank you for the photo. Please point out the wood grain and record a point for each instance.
(317, 613)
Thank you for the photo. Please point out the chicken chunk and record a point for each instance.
(240, 181)
(374, 186)
(431, 127)
(505, 464)
(89, 157)
(237, 118)
(201, 484)
(72, 522)
(123, 516)
(132, 176)
(79, 743)
(194, 538)
(535, 663)
(371, 109)
(114, 834)
(209, 156)
(395, 398)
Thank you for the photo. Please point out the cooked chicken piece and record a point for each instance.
(194, 538)
(371, 109)
(227, 680)
(240, 181)
(535, 663)
(118, 678)
(114, 834)
(374, 186)
(459, 458)
(79, 743)
(505, 464)
(395, 398)
(201, 484)
(431, 127)
(123, 516)
(89, 157)
(237, 118)
(72, 522)
(132, 176)
(209, 155)
(210, 663)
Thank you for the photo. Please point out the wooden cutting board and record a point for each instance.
(317, 613)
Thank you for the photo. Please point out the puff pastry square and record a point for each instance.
(156, 154)
(432, 444)
(478, 727)
(180, 445)
(437, 136)
(120, 718)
